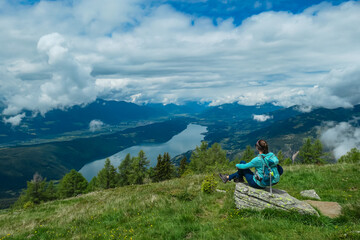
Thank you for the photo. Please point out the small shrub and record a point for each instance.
(187, 172)
(209, 184)
(287, 161)
(28, 204)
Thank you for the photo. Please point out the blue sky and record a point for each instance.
(237, 9)
(61, 53)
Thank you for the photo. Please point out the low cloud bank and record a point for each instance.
(341, 137)
(95, 125)
(14, 121)
(262, 118)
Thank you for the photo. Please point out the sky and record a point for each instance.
(60, 53)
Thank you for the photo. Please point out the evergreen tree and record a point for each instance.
(305, 152)
(125, 170)
(198, 158)
(151, 173)
(216, 155)
(204, 159)
(167, 167)
(248, 154)
(311, 153)
(93, 185)
(107, 177)
(138, 168)
(50, 191)
(183, 164)
(317, 150)
(35, 191)
(353, 156)
(72, 184)
(158, 176)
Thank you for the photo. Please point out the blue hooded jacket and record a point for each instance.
(257, 163)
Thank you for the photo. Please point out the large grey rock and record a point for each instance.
(310, 194)
(248, 197)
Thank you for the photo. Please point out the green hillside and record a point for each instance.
(177, 209)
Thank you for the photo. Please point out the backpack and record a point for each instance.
(269, 167)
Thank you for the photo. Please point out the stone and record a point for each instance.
(248, 197)
(219, 190)
(310, 194)
(329, 209)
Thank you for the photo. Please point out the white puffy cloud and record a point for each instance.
(64, 53)
(68, 82)
(95, 125)
(15, 120)
(262, 117)
(341, 137)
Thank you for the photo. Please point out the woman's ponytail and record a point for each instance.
(262, 146)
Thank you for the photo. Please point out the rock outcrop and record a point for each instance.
(310, 194)
(248, 197)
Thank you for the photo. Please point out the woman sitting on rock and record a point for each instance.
(260, 162)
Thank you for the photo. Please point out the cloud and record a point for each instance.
(14, 121)
(262, 118)
(64, 53)
(95, 125)
(68, 82)
(341, 138)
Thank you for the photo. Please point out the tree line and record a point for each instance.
(136, 170)
(132, 170)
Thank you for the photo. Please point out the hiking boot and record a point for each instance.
(239, 180)
(223, 177)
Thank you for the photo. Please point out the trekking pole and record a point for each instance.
(270, 184)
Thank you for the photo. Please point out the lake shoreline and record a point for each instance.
(180, 143)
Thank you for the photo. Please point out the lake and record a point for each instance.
(178, 144)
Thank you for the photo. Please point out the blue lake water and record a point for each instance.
(178, 144)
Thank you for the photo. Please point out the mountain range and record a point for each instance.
(63, 139)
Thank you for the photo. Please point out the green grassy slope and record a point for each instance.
(177, 209)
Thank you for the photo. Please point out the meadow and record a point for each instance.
(177, 209)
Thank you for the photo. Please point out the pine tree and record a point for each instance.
(107, 177)
(151, 174)
(199, 156)
(248, 154)
(216, 155)
(158, 169)
(204, 159)
(167, 167)
(35, 191)
(125, 170)
(138, 168)
(311, 153)
(306, 152)
(50, 192)
(183, 164)
(93, 185)
(317, 150)
(72, 184)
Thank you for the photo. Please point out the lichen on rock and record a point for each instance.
(248, 197)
